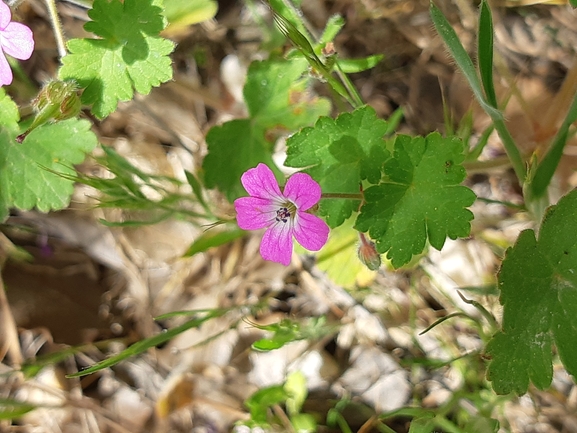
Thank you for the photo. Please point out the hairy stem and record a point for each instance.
(352, 196)
(56, 27)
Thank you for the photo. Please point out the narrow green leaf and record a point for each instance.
(465, 64)
(12, 409)
(334, 25)
(548, 165)
(192, 312)
(196, 189)
(474, 153)
(290, 14)
(485, 52)
(214, 238)
(573, 3)
(302, 43)
(423, 424)
(459, 54)
(136, 223)
(147, 343)
(394, 121)
(352, 66)
(182, 13)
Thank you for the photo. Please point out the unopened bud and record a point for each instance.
(368, 254)
(58, 100)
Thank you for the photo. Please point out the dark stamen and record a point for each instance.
(283, 214)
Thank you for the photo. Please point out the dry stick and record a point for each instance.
(9, 345)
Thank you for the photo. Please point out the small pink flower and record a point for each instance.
(281, 213)
(15, 40)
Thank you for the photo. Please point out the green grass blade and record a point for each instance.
(147, 343)
(11, 409)
(485, 52)
(352, 66)
(333, 27)
(213, 239)
(548, 165)
(465, 64)
(461, 57)
(196, 189)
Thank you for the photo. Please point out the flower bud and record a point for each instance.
(368, 254)
(58, 100)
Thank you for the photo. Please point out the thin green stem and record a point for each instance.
(503, 203)
(510, 147)
(351, 89)
(56, 27)
(351, 196)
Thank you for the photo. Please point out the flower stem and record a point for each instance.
(352, 196)
(56, 27)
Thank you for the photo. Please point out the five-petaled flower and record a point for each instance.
(15, 40)
(283, 214)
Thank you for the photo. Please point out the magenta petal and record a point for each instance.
(5, 71)
(253, 213)
(260, 182)
(17, 40)
(5, 15)
(310, 231)
(302, 190)
(277, 244)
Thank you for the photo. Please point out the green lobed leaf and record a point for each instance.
(420, 199)
(277, 97)
(8, 130)
(130, 56)
(182, 13)
(261, 400)
(27, 170)
(233, 148)
(340, 153)
(538, 283)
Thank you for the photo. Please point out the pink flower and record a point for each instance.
(281, 213)
(15, 40)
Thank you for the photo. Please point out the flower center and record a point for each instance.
(285, 212)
